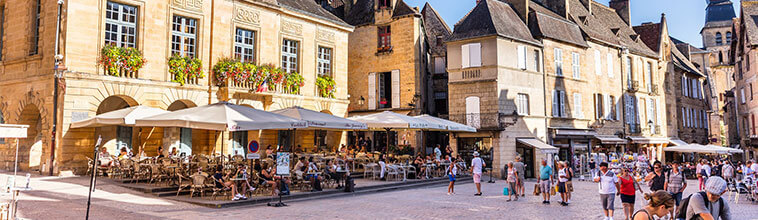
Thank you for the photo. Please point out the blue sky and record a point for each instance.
(685, 17)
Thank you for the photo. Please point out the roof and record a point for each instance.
(650, 33)
(492, 18)
(750, 13)
(591, 26)
(361, 13)
(402, 9)
(681, 61)
(547, 24)
(309, 7)
(435, 26)
(623, 32)
(719, 10)
(693, 49)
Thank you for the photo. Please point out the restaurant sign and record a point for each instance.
(282, 163)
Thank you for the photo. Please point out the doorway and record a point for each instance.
(527, 155)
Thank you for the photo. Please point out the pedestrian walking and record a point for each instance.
(658, 205)
(476, 169)
(675, 184)
(546, 181)
(656, 179)
(569, 184)
(727, 170)
(699, 173)
(520, 168)
(705, 172)
(608, 182)
(562, 179)
(452, 170)
(512, 179)
(627, 192)
(707, 204)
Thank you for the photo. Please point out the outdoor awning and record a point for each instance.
(571, 132)
(449, 125)
(610, 139)
(391, 120)
(319, 120)
(724, 149)
(122, 117)
(222, 116)
(648, 140)
(678, 142)
(689, 149)
(538, 145)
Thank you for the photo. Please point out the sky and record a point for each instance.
(685, 17)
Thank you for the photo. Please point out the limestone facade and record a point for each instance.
(88, 91)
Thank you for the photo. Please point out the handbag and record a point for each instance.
(553, 190)
(537, 190)
(506, 191)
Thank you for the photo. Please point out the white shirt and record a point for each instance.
(707, 169)
(476, 165)
(607, 182)
(562, 172)
(753, 168)
(437, 153)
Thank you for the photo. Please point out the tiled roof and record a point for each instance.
(683, 63)
(435, 26)
(750, 18)
(402, 9)
(361, 13)
(590, 25)
(605, 24)
(492, 17)
(650, 33)
(547, 24)
(719, 10)
(309, 7)
(693, 49)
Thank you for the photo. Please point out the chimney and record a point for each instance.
(587, 4)
(560, 7)
(522, 9)
(622, 8)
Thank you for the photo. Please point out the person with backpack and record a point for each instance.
(658, 205)
(708, 204)
(675, 184)
(657, 178)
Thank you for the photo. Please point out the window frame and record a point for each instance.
(558, 61)
(287, 56)
(322, 62)
(384, 38)
(35, 27)
(184, 36)
(718, 39)
(120, 24)
(244, 45)
(522, 104)
(576, 65)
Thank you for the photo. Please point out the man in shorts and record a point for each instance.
(476, 169)
(546, 181)
(562, 179)
(608, 185)
(520, 167)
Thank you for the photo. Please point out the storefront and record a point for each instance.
(533, 151)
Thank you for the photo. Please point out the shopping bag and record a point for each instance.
(537, 190)
(553, 190)
(505, 191)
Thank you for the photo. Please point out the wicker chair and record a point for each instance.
(197, 184)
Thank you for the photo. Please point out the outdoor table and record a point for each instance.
(173, 173)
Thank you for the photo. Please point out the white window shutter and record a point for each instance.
(607, 107)
(521, 57)
(465, 59)
(475, 52)
(598, 63)
(563, 103)
(372, 91)
(618, 109)
(396, 89)
(610, 65)
(576, 65)
(578, 113)
(555, 103)
(684, 86)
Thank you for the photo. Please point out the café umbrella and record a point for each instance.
(449, 125)
(388, 120)
(121, 117)
(320, 120)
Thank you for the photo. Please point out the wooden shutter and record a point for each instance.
(372, 91)
(396, 89)
(578, 106)
(555, 103)
(465, 60)
(475, 52)
(607, 106)
(521, 57)
(563, 103)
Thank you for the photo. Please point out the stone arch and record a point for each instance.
(327, 112)
(181, 104)
(115, 137)
(248, 105)
(30, 150)
(115, 102)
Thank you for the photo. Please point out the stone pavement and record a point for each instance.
(66, 198)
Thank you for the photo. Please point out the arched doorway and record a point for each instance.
(116, 137)
(30, 148)
(183, 144)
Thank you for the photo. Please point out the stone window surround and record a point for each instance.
(199, 39)
(255, 28)
(120, 24)
(330, 60)
(184, 35)
(289, 55)
(243, 46)
(34, 29)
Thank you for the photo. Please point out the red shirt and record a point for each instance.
(627, 186)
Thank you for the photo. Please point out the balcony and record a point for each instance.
(633, 86)
(654, 89)
(484, 121)
(633, 128)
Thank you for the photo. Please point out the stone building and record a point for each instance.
(313, 41)
(717, 35)
(389, 66)
(686, 106)
(744, 57)
(496, 85)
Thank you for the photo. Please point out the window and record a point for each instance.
(440, 102)
(728, 37)
(578, 112)
(389, 89)
(244, 45)
(558, 58)
(683, 117)
(536, 60)
(34, 40)
(598, 63)
(607, 110)
(439, 65)
(696, 118)
(120, 25)
(752, 117)
(695, 88)
(124, 137)
(523, 104)
(629, 73)
(559, 103)
(751, 91)
(718, 38)
(649, 75)
(521, 57)
(599, 105)
(385, 38)
(721, 57)
(472, 112)
(609, 58)
(290, 56)
(325, 61)
(471, 55)
(384, 3)
(685, 90)
(575, 65)
(319, 138)
(183, 36)
(742, 95)
(631, 109)
(440, 41)
(650, 112)
(611, 110)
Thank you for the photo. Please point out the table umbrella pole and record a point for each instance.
(387, 149)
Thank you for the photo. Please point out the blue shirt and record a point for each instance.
(546, 172)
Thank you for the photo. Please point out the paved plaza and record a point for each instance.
(66, 198)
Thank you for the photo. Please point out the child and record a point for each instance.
(452, 170)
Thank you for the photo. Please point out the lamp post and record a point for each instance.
(57, 76)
